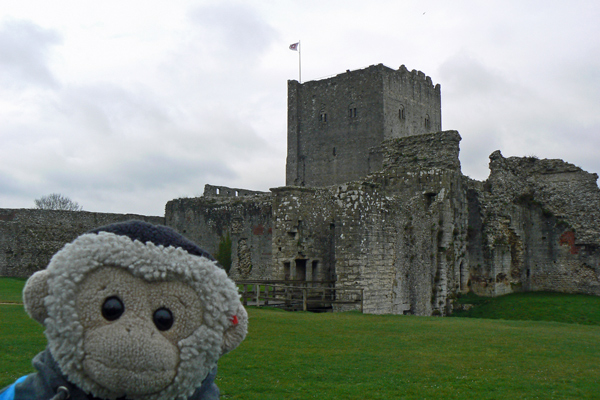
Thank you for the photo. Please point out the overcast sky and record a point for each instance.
(124, 105)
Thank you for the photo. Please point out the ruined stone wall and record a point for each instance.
(303, 234)
(402, 233)
(399, 234)
(534, 225)
(404, 245)
(247, 220)
(30, 237)
(366, 232)
(418, 233)
(224, 191)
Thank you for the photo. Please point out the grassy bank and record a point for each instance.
(534, 306)
(354, 356)
(11, 290)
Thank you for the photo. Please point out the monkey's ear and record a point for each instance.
(36, 289)
(234, 335)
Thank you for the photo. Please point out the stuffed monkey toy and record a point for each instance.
(132, 311)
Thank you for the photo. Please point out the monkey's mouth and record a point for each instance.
(129, 357)
(139, 379)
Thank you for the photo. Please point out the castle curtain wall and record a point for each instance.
(30, 237)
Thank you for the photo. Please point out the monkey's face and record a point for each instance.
(124, 317)
(132, 329)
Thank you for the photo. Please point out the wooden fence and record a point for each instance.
(299, 295)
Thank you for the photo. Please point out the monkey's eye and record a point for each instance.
(163, 319)
(113, 308)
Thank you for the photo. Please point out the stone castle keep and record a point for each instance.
(375, 198)
(336, 126)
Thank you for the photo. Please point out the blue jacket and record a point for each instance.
(43, 385)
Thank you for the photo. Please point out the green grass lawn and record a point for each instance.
(355, 356)
(21, 338)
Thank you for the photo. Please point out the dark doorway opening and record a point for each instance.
(286, 271)
(300, 270)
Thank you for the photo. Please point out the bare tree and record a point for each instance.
(56, 201)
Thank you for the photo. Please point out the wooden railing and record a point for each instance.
(299, 295)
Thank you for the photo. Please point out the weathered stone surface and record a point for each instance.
(246, 218)
(30, 237)
(399, 234)
(303, 240)
(414, 235)
(534, 225)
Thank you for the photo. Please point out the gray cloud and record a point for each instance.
(233, 30)
(108, 109)
(152, 170)
(24, 50)
(10, 186)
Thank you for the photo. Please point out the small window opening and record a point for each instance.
(352, 112)
(237, 193)
(334, 153)
(429, 198)
(218, 190)
(323, 116)
(427, 122)
(401, 113)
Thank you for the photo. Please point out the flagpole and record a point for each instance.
(299, 62)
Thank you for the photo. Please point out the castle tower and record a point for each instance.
(335, 125)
